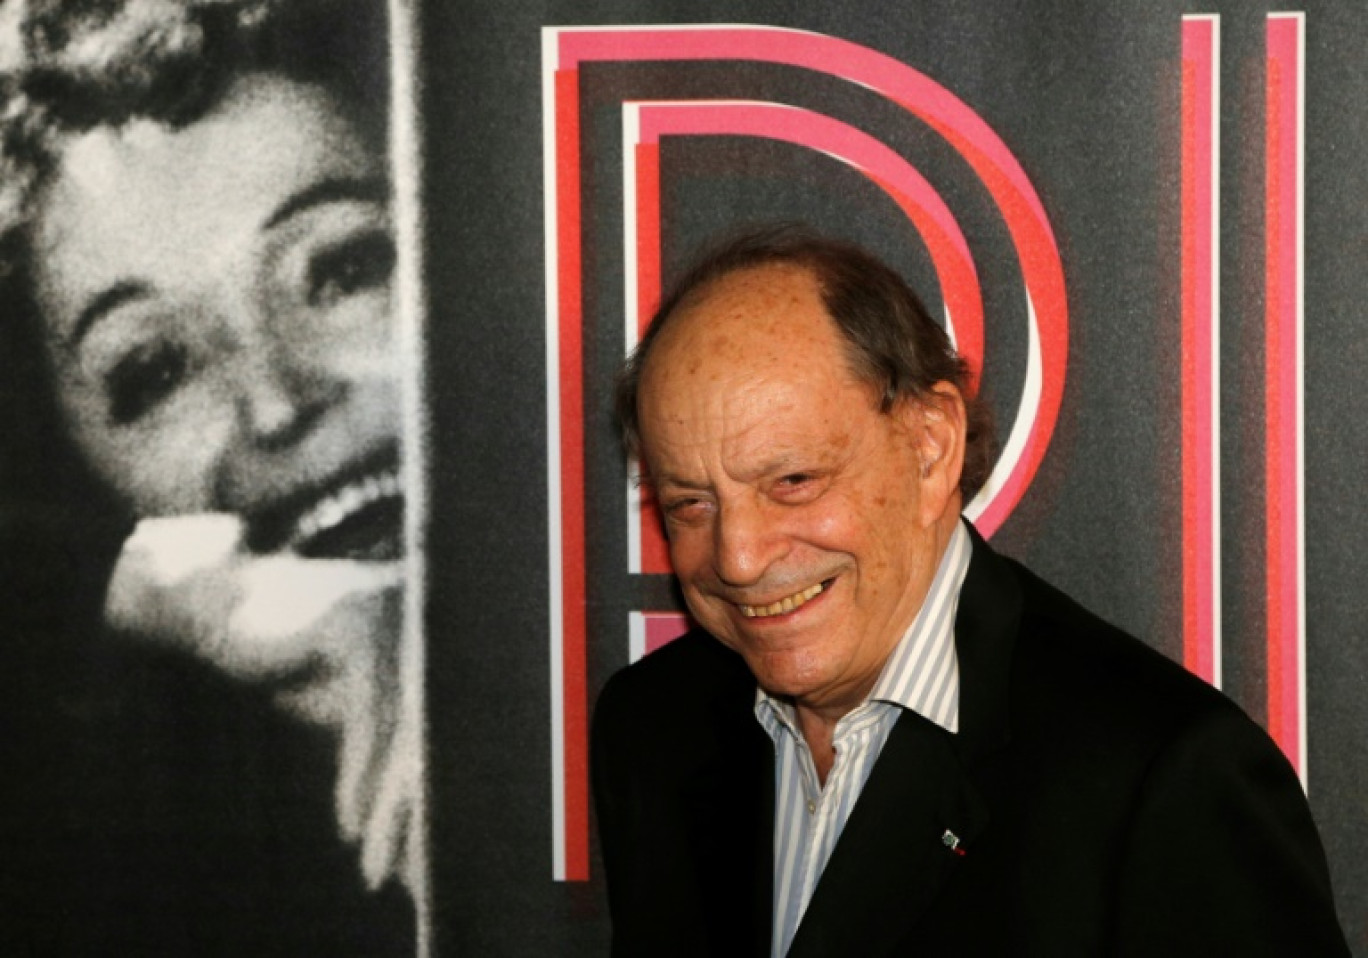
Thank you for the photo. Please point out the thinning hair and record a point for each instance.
(892, 343)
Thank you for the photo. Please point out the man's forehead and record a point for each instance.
(749, 293)
(754, 318)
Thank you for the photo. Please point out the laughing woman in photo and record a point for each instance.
(202, 512)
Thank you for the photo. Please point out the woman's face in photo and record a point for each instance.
(217, 305)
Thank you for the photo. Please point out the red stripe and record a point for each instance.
(1282, 400)
(655, 554)
(648, 232)
(1198, 423)
(569, 295)
(1273, 424)
(1191, 641)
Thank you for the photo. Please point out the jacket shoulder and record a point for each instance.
(688, 672)
(1096, 669)
(675, 699)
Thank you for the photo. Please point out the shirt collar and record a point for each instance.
(922, 673)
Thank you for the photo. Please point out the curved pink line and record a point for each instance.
(908, 188)
(921, 96)
(918, 93)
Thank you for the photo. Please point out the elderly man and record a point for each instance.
(884, 739)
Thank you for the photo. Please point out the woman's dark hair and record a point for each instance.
(892, 342)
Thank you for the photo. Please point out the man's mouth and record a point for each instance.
(787, 604)
(359, 517)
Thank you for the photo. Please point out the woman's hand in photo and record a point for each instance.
(323, 636)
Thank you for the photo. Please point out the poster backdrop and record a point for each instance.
(1145, 225)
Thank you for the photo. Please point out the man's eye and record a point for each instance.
(794, 483)
(143, 378)
(685, 510)
(362, 263)
(797, 487)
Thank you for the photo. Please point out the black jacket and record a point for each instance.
(1107, 802)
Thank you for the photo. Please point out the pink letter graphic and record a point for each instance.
(565, 49)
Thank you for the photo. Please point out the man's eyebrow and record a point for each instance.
(106, 302)
(332, 190)
(679, 482)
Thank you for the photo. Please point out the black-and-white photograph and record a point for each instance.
(212, 741)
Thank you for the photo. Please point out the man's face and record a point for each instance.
(801, 525)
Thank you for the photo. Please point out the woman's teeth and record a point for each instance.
(336, 507)
(786, 604)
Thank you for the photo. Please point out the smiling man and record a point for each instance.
(883, 738)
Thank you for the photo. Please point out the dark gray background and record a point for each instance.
(1086, 97)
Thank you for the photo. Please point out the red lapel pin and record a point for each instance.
(951, 841)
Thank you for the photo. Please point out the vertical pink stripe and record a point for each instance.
(655, 552)
(1199, 318)
(648, 231)
(575, 714)
(1282, 265)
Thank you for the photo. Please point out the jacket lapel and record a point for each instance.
(987, 622)
(892, 859)
(729, 831)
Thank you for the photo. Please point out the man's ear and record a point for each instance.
(935, 425)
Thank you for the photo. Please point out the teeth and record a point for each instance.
(333, 509)
(786, 604)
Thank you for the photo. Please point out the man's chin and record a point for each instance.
(789, 674)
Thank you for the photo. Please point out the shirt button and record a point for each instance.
(812, 807)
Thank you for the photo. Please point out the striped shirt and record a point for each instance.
(921, 674)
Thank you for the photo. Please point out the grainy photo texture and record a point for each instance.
(206, 741)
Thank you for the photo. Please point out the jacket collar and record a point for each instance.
(986, 628)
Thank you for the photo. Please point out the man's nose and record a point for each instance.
(747, 542)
